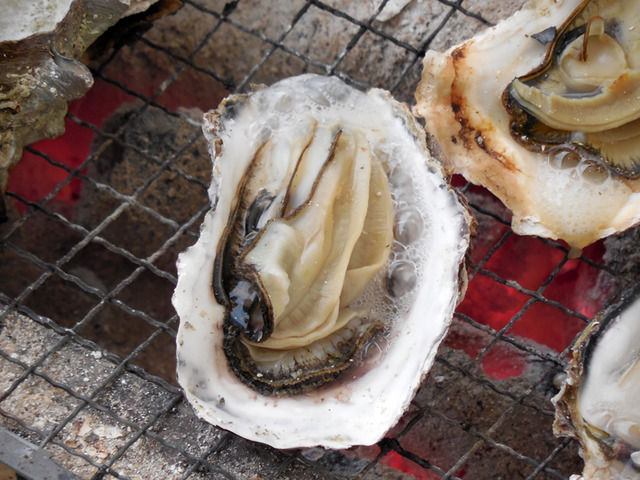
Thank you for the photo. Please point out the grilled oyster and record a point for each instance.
(559, 145)
(327, 270)
(598, 404)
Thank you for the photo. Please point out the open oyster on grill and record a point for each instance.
(598, 404)
(559, 144)
(326, 272)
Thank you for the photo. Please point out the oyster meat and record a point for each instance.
(559, 144)
(327, 270)
(598, 404)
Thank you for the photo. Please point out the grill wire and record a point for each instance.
(92, 383)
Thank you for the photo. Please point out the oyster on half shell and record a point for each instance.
(598, 404)
(326, 272)
(559, 144)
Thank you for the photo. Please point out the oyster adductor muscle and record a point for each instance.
(559, 144)
(598, 403)
(326, 272)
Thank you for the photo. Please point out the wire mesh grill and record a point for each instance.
(87, 330)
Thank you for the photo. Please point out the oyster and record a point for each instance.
(598, 404)
(326, 272)
(559, 144)
(40, 42)
(39, 74)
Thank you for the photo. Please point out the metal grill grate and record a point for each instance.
(87, 262)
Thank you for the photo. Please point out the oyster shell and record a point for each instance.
(326, 272)
(565, 169)
(598, 404)
(40, 41)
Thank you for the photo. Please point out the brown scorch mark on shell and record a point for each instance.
(468, 133)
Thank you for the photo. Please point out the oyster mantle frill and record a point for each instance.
(327, 270)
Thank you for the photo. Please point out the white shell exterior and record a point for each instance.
(22, 18)
(361, 406)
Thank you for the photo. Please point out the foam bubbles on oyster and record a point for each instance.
(326, 272)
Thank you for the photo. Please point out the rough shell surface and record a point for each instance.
(40, 43)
